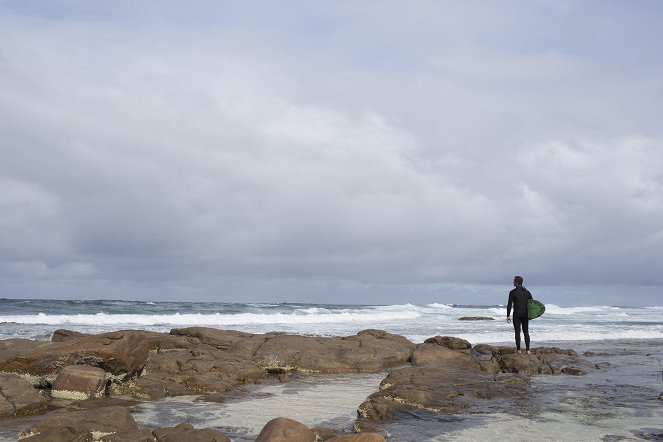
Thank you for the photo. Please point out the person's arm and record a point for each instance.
(508, 308)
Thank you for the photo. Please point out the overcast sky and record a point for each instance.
(332, 151)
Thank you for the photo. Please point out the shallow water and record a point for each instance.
(325, 401)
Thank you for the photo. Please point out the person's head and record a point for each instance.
(517, 280)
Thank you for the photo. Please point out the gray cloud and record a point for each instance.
(421, 151)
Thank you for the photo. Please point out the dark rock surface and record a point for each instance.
(476, 318)
(79, 382)
(18, 397)
(285, 430)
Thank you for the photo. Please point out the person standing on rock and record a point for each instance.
(518, 298)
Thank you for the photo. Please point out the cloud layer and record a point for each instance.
(342, 152)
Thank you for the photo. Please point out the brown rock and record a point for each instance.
(476, 318)
(361, 437)
(79, 382)
(120, 353)
(449, 342)
(186, 433)
(63, 335)
(142, 435)
(13, 347)
(18, 397)
(285, 430)
(81, 425)
(435, 354)
(368, 351)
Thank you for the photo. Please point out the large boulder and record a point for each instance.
(282, 429)
(79, 382)
(186, 433)
(367, 351)
(18, 397)
(83, 425)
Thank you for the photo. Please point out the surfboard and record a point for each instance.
(535, 309)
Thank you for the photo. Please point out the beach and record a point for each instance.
(619, 401)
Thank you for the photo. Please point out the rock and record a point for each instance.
(513, 378)
(285, 430)
(441, 380)
(660, 396)
(63, 335)
(121, 354)
(574, 371)
(18, 397)
(435, 354)
(449, 342)
(10, 348)
(362, 437)
(367, 352)
(142, 435)
(436, 389)
(476, 318)
(81, 425)
(186, 433)
(79, 382)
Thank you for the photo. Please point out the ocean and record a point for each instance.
(618, 403)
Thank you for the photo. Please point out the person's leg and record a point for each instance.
(516, 327)
(525, 324)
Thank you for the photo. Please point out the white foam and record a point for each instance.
(216, 319)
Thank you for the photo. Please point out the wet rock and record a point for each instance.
(285, 430)
(81, 425)
(18, 397)
(441, 380)
(79, 382)
(187, 433)
(362, 437)
(513, 378)
(660, 396)
(573, 371)
(142, 435)
(436, 389)
(476, 318)
(449, 342)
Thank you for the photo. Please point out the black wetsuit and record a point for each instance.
(518, 299)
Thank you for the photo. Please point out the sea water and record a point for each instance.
(618, 403)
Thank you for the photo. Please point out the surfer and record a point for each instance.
(518, 300)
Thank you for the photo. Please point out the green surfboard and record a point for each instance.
(535, 309)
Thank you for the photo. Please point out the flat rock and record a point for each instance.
(484, 378)
(368, 351)
(79, 382)
(449, 342)
(81, 425)
(476, 318)
(185, 432)
(18, 397)
(361, 437)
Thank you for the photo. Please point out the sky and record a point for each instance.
(371, 152)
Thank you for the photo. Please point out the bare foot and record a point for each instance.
(529, 352)
(518, 351)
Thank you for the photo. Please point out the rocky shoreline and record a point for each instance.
(71, 378)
